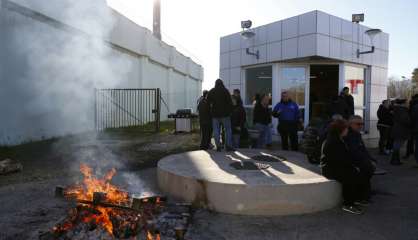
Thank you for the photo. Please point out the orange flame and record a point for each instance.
(92, 184)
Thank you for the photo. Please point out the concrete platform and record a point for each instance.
(206, 179)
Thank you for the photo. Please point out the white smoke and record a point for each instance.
(49, 72)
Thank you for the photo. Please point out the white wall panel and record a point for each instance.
(235, 58)
(323, 23)
(224, 60)
(347, 30)
(224, 44)
(307, 45)
(335, 26)
(307, 23)
(235, 42)
(335, 48)
(290, 48)
(322, 45)
(274, 31)
(290, 28)
(235, 77)
(274, 51)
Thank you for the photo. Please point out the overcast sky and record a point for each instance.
(195, 26)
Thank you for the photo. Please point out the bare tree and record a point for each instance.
(399, 88)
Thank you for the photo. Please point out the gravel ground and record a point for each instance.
(27, 205)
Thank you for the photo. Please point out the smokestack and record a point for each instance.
(156, 28)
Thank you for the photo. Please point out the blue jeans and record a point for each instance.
(226, 122)
(264, 136)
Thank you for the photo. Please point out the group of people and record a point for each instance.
(345, 158)
(397, 124)
(218, 110)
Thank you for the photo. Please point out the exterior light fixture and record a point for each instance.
(248, 34)
(372, 34)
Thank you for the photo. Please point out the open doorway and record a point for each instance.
(323, 87)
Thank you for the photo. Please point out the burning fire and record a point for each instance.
(89, 186)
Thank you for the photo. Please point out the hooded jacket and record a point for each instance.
(220, 101)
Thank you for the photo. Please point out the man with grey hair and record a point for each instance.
(361, 157)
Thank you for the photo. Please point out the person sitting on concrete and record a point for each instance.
(238, 119)
(205, 121)
(262, 122)
(360, 156)
(401, 129)
(337, 164)
(384, 125)
(221, 109)
(288, 114)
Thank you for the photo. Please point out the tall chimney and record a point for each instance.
(156, 26)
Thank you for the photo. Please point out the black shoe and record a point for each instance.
(352, 209)
(218, 149)
(406, 156)
(230, 149)
(395, 159)
(362, 203)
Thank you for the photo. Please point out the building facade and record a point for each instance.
(54, 54)
(312, 56)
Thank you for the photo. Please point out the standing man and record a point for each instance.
(384, 125)
(221, 109)
(401, 129)
(414, 120)
(349, 100)
(205, 121)
(288, 114)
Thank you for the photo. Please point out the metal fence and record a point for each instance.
(118, 108)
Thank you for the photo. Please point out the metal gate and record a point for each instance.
(119, 108)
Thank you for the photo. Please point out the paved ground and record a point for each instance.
(393, 215)
(27, 205)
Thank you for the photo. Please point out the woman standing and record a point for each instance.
(401, 129)
(238, 119)
(337, 164)
(262, 121)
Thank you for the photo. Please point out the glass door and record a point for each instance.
(294, 80)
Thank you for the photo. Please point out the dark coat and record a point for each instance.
(349, 100)
(339, 106)
(220, 101)
(385, 117)
(401, 123)
(238, 119)
(261, 115)
(336, 160)
(204, 112)
(358, 151)
(414, 118)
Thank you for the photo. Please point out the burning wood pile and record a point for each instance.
(104, 211)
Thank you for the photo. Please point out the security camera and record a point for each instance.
(246, 24)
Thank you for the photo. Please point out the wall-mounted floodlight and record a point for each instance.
(358, 18)
(372, 34)
(248, 34)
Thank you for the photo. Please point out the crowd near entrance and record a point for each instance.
(333, 123)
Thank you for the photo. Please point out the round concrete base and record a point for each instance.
(207, 179)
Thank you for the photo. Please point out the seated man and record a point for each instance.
(360, 156)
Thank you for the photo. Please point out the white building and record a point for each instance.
(53, 55)
(313, 56)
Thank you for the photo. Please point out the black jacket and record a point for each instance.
(401, 123)
(261, 115)
(349, 100)
(220, 101)
(238, 118)
(336, 161)
(414, 118)
(385, 117)
(358, 151)
(204, 112)
(339, 106)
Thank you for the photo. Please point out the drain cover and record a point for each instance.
(247, 165)
(269, 158)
